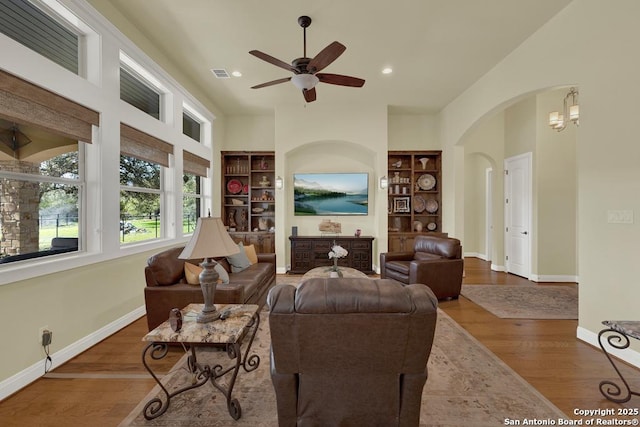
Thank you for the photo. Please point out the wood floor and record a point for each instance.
(101, 386)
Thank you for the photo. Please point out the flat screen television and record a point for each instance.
(331, 193)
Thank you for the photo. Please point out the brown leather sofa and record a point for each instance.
(350, 351)
(167, 287)
(435, 261)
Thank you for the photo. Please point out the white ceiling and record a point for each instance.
(437, 48)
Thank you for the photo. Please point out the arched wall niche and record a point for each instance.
(338, 156)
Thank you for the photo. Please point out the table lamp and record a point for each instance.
(209, 240)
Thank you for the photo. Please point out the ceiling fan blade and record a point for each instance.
(271, 83)
(274, 61)
(309, 94)
(339, 79)
(326, 57)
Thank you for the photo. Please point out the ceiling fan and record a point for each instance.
(305, 70)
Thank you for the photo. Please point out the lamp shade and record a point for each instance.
(209, 240)
(384, 182)
(279, 183)
(574, 112)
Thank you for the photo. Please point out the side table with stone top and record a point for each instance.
(239, 321)
(616, 334)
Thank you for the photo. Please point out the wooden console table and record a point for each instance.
(308, 252)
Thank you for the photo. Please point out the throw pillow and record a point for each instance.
(224, 276)
(251, 254)
(239, 261)
(192, 273)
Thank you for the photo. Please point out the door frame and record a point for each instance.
(507, 218)
(488, 205)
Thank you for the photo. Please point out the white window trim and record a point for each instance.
(103, 44)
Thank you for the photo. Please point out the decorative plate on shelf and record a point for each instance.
(234, 186)
(432, 206)
(432, 226)
(419, 204)
(245, 189)
(426, 182)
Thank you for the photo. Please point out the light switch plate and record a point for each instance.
(620, 217)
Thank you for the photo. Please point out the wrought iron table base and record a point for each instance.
(203, 373)
(617, 336)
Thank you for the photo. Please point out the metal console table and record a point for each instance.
(240, 321)
(616, 334)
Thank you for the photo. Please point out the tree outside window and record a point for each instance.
(140, 200)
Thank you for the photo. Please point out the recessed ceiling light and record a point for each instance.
(387, 70)
(236, 74)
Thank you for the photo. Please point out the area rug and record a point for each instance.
(525, 302)
(467, 385)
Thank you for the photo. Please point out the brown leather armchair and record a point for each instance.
(435, 261)
(350, 352)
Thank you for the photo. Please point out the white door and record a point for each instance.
(518, 214)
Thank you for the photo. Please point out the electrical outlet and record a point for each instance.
(620, 216)
(41, 332)
(47, 336)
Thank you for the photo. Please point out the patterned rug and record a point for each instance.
(467, 385)
(525, 302)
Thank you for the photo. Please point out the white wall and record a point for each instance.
(608, 176)
(413, 132)
(484, 146)
(556, 200)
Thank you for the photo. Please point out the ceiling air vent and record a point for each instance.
(220, 73)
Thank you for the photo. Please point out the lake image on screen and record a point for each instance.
(331, 193)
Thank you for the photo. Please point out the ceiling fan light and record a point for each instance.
(304, 81)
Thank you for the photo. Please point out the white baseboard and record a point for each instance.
(553, 278)
(628, 355)
(281, 270)
(35, 371)
(496, 267)
(483, 257)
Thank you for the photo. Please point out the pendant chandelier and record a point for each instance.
(570, 112)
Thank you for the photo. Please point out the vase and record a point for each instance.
(424, 161)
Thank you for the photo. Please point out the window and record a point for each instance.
(140, 200)
(190, 127)
(30, 26)
(41, 191)
(141, 197)
(195, 168)
(191, 202)
(134, 91)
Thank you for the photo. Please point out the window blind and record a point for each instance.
(26, 103)
(143, 146)
(195, 165)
